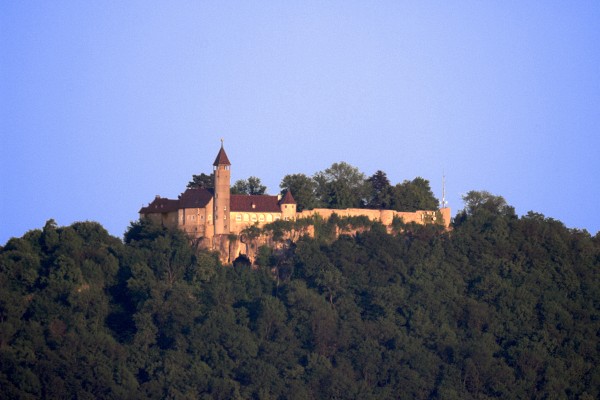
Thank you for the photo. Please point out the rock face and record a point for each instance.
(233, 246)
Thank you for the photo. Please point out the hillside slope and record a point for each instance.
(500, 307)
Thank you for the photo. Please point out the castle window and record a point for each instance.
(238, 217)
(253, 218)
(261, 218)
(246, 218)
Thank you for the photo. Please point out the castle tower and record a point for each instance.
(222, 192)
(288, 207)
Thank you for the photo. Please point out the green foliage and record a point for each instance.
(483, 200)
(413, 195)
(353, 222)
(381, 191)
(499, 307)
(252, 186)
(290, 230)
(278, 229)
(341, 186)
(344, 186)
(202, 181)
(303, 188)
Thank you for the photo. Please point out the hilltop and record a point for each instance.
(500, 306)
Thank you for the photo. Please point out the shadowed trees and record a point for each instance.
(341, 186)
(413, 195)
(252, 186)
(344, 186)
(500, 307)
(380, 193)
(303, 188)
(202, 181)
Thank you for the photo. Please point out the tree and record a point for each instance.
(483, 200)
(341, 186)
(413, 195)
(251, 186)
(202, 181)
(303, 188)
(380, 196)
(501, 307)
(249, 236)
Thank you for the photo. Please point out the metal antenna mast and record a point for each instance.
(444, 202)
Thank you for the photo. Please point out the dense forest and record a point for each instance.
(500, 306)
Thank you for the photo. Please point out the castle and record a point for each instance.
(212, 214)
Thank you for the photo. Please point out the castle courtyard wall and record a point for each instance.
(239, 220)
(384, 216)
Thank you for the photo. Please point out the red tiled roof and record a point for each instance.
(254, 203)
(195, 198)
(200, 198)
(160, 205)
(288, 198)
(221, 158)
(191, 198)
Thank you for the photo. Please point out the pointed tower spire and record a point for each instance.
(222, 158)
(288, 198)
(222, 197)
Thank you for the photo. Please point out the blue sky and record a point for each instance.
(106, 104)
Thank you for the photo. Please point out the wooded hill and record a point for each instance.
(501, 306)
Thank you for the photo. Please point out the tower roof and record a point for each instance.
(221, 157)
(288, 198)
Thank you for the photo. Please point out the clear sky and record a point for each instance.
(105, 104)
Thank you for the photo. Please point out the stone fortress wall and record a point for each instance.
(384, 216)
